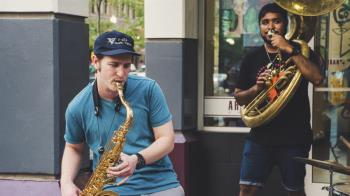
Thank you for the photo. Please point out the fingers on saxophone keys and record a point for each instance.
(111, 171)
(126, 171)
(123, 169)
(120, 161)
(114, 171)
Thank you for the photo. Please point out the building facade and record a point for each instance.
(193, 49)
(196, 46)
(44, 49)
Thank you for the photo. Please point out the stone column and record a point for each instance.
(171, 55)
(44, 62)
(171, 59)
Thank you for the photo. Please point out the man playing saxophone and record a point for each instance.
(289, 134)
(96, 112)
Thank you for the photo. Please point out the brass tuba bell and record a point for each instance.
(301, 28)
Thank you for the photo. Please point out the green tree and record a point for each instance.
(133, 24)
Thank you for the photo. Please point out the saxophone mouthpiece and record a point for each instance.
(119, 84)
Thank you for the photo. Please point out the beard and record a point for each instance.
(266, 40)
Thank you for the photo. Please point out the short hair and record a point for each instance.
(274, 8)
(99, 56)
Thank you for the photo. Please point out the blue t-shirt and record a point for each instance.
(150, 110)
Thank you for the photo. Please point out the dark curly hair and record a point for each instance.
(274, 8)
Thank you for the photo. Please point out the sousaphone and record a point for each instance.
(302, 22)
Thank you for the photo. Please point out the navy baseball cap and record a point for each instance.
(113, 43)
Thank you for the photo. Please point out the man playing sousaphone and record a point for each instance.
(289, 134)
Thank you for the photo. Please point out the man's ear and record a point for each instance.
(95, 62)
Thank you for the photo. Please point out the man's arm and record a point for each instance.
(71, 162)
(244, 97)
(312, 71)
(163, 145)
(309, 69)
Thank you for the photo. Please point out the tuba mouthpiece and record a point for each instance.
(271, 32)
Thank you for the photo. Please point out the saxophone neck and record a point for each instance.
(129, 112)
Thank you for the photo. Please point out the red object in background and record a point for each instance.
(180, 159)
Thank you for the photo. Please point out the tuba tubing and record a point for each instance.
(260, 110)
(257, 112)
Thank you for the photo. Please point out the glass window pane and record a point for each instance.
(232, 30)
(331, 102)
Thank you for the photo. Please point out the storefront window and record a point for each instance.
(232, 30)
(331, 102)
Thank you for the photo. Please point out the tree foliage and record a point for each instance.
(133, 26)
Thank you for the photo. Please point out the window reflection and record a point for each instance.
(232, 30)
(331, 103)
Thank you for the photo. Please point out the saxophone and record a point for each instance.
(111, 156)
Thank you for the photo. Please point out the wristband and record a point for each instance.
(140, 161)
